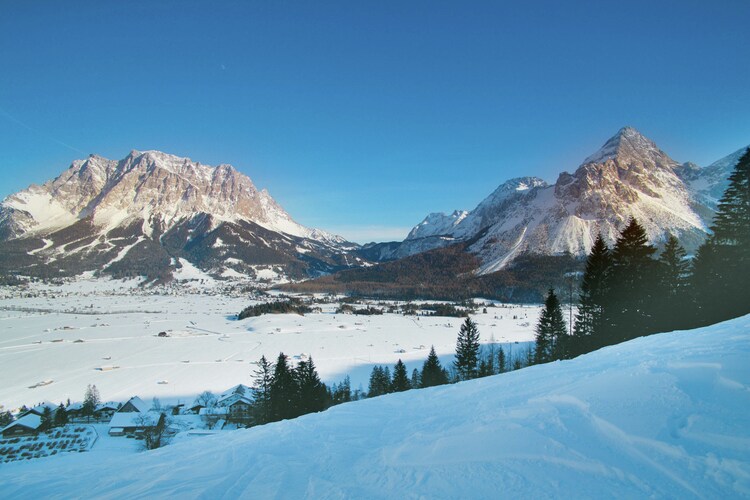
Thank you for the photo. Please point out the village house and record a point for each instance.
(105, 411)
(234, 405)
(26, 425)
(133, 418)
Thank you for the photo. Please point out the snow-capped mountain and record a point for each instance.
(628, 177)
(148, 210)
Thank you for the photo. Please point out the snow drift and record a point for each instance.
(659, 416)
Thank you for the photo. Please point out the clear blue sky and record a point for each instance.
(362, 117)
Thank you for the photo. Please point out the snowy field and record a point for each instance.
(62, 338)
(658, 417)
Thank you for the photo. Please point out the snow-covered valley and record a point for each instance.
(660, 416)
(106, 333)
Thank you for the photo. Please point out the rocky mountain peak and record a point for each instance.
(629, 146)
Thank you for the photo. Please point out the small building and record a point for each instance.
(132, 422)
(238, 403)
(27, 425)
(74, 410)
(104, 411)
(39, 409)
(134, 405)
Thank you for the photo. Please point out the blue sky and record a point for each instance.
(362, 117)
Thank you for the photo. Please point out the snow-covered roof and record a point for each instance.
(111, 405)
(74, 407)
(134, 419)
(30, 420)
(240, 389)
(138, 404)
(39, 409)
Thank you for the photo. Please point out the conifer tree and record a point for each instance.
(47, 419)
(380, 381)
(432, 371)
(6, 417)
(283, 391)
(312, 392)
(722, 266)
(342, 392)
(262, 383)
(631, 305)
(400, 380)
(672, 286)
(588, 331)
(61, 416)
(467, 351)
(550, 330)
(416, 379)
(90, 401)
(501, 368)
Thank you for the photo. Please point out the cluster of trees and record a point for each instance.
(628, 291)
(471, 361)
(281, 391)
(292, 305)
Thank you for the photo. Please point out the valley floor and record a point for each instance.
(660, 416)
(55, 340)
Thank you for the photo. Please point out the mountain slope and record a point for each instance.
(141, 214)
(676, 426)
(628, 177)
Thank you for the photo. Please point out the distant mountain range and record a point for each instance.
(151, 213)
(628, 177)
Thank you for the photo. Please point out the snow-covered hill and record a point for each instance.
(662, 416)
(628, 177)
(157, 207)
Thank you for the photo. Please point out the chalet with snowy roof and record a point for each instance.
(134, 405)
(74, 411)
(104, 411)
(132, 422)
(39, 409)
(236, 404)
(27, 425)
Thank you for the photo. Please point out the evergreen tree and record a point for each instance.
(283, 391)
(312, 392)
(588, 332)
(262, 383)
(400, 381)
(47, 419)
(380, 381)
(467, 351)
(673, 283)
(6, 417)
(416, 379)
(90, 401)
(432, 371)
(501, 368)
(342, 392)
(61, 416)
(722, 266)
(631, 303)
(550, 330)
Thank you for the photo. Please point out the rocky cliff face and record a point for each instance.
(149, 210)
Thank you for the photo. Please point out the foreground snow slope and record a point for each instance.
(663, 416)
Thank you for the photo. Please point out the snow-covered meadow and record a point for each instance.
(57, 339)
(660, 416)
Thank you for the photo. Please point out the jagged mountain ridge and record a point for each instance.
(145, 212)
(628, 177)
